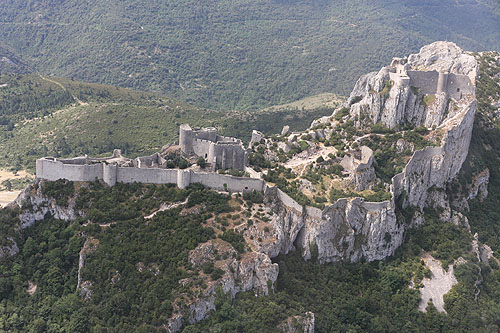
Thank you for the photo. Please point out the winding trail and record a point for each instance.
(63, 88)
(165, 206)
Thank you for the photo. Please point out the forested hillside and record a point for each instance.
(10, 63)
(235, 54)
(42, 116)
(129, 284)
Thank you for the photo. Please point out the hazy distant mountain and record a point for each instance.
(238, 53)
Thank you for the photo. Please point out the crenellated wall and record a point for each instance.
(53, 169)
(434, 82)
(221, 151)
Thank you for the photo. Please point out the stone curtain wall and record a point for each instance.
(53, 170)
(429, 83)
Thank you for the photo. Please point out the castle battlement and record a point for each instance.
(220, 151)
(430, 82)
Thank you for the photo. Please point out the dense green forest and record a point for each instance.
(41, 116)
(134, 282)
(235, 54)
(136, 299)
(10, 63)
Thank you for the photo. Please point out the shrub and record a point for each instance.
(428, 100)
(356, 99)
(387, 88)
(201, 162)
(253, 196)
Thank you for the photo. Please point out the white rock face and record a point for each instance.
(253, 271)
(34, 206)
(352, 229)
(403, 104)
(298, 324)
(436, 166)
(437, 286)
(41, 205)
(445, 57)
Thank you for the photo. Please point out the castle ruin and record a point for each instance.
(221, 152)
(430, 82)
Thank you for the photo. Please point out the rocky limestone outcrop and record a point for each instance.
(380, 100)
(436, 166)
(350, 229)
(298, 324)
(445, 57)
(353, 229)
(84, 287)
(478, 188)
(9, 250)
(252, 271)
(35, 206)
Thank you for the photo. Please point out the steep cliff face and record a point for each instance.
(351, 228)
(35, 205)
(436, 166)
(418, 101)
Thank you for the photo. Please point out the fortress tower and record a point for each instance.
(430, 82)
(220, 151)
(186, 139)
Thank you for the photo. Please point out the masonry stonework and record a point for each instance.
(430, 82)
(220, 151)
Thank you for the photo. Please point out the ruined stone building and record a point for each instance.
(220, 151)
(430, 81)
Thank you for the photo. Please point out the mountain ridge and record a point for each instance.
(207, 53)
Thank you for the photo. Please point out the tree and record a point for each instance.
(201, 162)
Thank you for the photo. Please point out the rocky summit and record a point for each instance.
(392, 163)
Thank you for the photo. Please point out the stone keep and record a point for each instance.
(430, 81)
(220, 151)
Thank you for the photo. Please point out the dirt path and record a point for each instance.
(63, 88)
(6, 197)
(165, 206)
